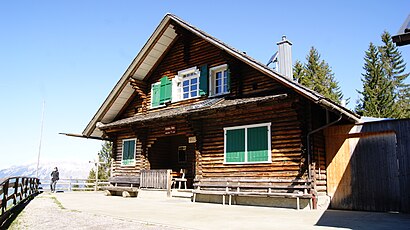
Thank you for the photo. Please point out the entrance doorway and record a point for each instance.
(173, 152)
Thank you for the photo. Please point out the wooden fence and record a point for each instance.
(368, 166)
(15, 191)
(71, 184)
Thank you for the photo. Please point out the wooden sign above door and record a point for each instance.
(170, 130)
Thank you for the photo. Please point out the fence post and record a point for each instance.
(169, 182)
(16, 186)
(5, 196)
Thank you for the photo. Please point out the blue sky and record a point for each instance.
(71, 53)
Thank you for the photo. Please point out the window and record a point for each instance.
(190, 82)
(219, 80)
(128, 152)
(161, 92)
(181, 154)
(248, 144)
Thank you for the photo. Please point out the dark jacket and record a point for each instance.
(55, 175)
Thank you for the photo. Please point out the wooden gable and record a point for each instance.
(190, 51)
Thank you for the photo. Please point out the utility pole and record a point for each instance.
(41, 137)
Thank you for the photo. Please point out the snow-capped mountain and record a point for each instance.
(67, 169)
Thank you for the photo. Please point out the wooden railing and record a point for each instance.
(156, 179)
(15, 191)
(71, 184)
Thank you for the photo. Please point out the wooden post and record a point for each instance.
(5, 196)
(169, 182)
(16, 187)
(314, 189)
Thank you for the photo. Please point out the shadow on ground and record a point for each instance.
(364, 220)
(11, 215)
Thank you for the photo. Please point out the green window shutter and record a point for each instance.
(203, 80)
(128, 152)
(235, 145)
(125, 150)
(258, 144)
(166, 90)
(155, 97)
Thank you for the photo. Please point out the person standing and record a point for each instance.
(54, 178)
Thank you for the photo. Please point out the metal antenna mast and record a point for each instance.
(41, 137)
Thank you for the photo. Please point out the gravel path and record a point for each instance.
(46, 212)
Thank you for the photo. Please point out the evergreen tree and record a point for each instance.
(377, 96)
(299, 72)
(385, 94)
(393, 69)
(104, 170)
(317, 75)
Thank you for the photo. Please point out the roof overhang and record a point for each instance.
(157, 45)
(403, 36)
(142, 64)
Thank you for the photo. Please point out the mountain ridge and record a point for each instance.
(67, 169)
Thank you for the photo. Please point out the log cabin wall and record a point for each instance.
(118, 169)
(312, 117)
(286, 143)
(318, 149)
(135, 106)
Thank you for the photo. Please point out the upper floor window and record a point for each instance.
(190, 82)
(219, 80)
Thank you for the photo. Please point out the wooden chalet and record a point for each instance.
(189, 101)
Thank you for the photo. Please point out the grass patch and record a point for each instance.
(58, 203)
(17, 224)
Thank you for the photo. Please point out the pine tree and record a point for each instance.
(299, 72)
(377, 96)
(317, 75)
(394, 70)
(104, 170)
(385, 93)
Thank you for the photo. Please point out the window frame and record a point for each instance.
(135, 151)
(212, 80)
(245, 127)
(184, 148)
(197, 75)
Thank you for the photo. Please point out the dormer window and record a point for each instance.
(219, 80)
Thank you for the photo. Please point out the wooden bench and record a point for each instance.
(260, 187)
(127, 186)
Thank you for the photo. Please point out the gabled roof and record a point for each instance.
(157, 44)
(403, 36)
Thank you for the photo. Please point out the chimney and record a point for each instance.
(285, 58)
